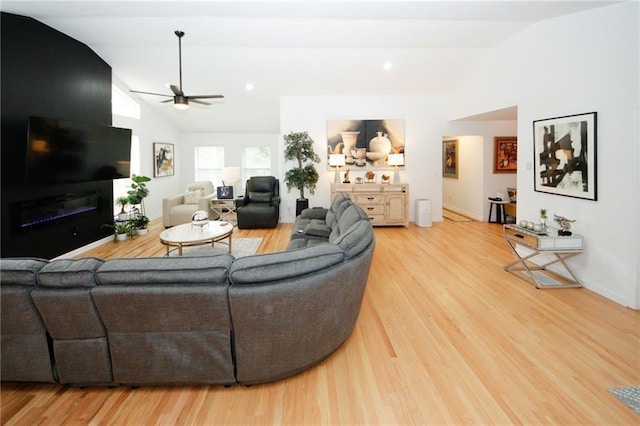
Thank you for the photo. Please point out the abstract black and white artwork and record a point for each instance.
(565, 155)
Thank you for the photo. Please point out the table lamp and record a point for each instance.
(232, 175)
(396, 160)
(336, 160)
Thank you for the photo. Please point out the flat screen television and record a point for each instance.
(64, 151)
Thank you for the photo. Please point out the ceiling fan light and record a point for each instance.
(180, 102)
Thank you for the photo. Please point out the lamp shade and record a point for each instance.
(396, 160)
(231, 174)
(336, 160)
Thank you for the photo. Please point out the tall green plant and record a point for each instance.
(139, 191)
(299, 146)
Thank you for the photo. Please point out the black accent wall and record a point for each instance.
(49, 74)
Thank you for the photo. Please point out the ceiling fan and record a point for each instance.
(180, 100)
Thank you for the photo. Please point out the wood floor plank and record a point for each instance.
(445, 336)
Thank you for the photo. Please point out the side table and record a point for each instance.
(226, 209)
(500, 215)
(560, 247)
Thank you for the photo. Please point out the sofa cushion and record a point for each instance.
(351, 215)
(70, 272)
(20, 271)
(178, 270)
(337, 207)
(298, 243)
(192, 196)
(318, 229)
(263, 184)
(283, 265)
(260, 197)
(356, 238)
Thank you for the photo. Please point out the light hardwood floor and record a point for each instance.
(445, 336)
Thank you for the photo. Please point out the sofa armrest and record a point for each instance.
(319, 213)
(204, 203)
(167, 204)
(241, 202)
(172, 201)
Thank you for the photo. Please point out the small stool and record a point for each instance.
(500, 215)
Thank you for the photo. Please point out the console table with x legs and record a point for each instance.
(559, 247)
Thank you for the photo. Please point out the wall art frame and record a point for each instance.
(505, 154)
(565, 155)
(366, 144)
(450, 159)
(163, 164)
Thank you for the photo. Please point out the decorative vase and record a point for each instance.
(349, 140)
(380, 144)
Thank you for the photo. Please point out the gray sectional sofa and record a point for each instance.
(189, 320)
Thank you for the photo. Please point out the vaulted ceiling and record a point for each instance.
(287, 48)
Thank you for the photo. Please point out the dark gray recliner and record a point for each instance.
(260, 207)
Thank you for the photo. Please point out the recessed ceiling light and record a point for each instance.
(249, 86)
(387, 66)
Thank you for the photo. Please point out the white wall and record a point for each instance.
(575, 64)
(233, 143)
(149, 129)
(424, 127)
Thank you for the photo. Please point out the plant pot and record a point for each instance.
(301, 204)
(121, 237)
(142, 231)
(123, 216)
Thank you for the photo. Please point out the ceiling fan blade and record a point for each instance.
(150, 93)
(195, 101)
(206, 97)
(175, 89)
(167, 101)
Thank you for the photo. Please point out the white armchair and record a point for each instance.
(179, 209)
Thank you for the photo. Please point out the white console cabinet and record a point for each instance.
(386, 204)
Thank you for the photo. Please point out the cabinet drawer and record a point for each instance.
(372, 209)
(369, 199)
(523, 237)
(377, 219)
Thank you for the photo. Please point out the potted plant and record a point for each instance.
(137, 194)
(123, 202)
(543, 217)
(139, 191)
(141, 222)
(121, 230)
(299, 147)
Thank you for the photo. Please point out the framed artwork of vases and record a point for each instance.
(366, 144)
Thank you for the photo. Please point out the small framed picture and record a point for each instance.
(450, 159)
(505, 154)
(163, 159)
(565, 155)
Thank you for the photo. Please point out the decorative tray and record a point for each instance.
(531, 231)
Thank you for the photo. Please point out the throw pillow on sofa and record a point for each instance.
(191, 196)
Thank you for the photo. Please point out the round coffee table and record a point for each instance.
(194, 235)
